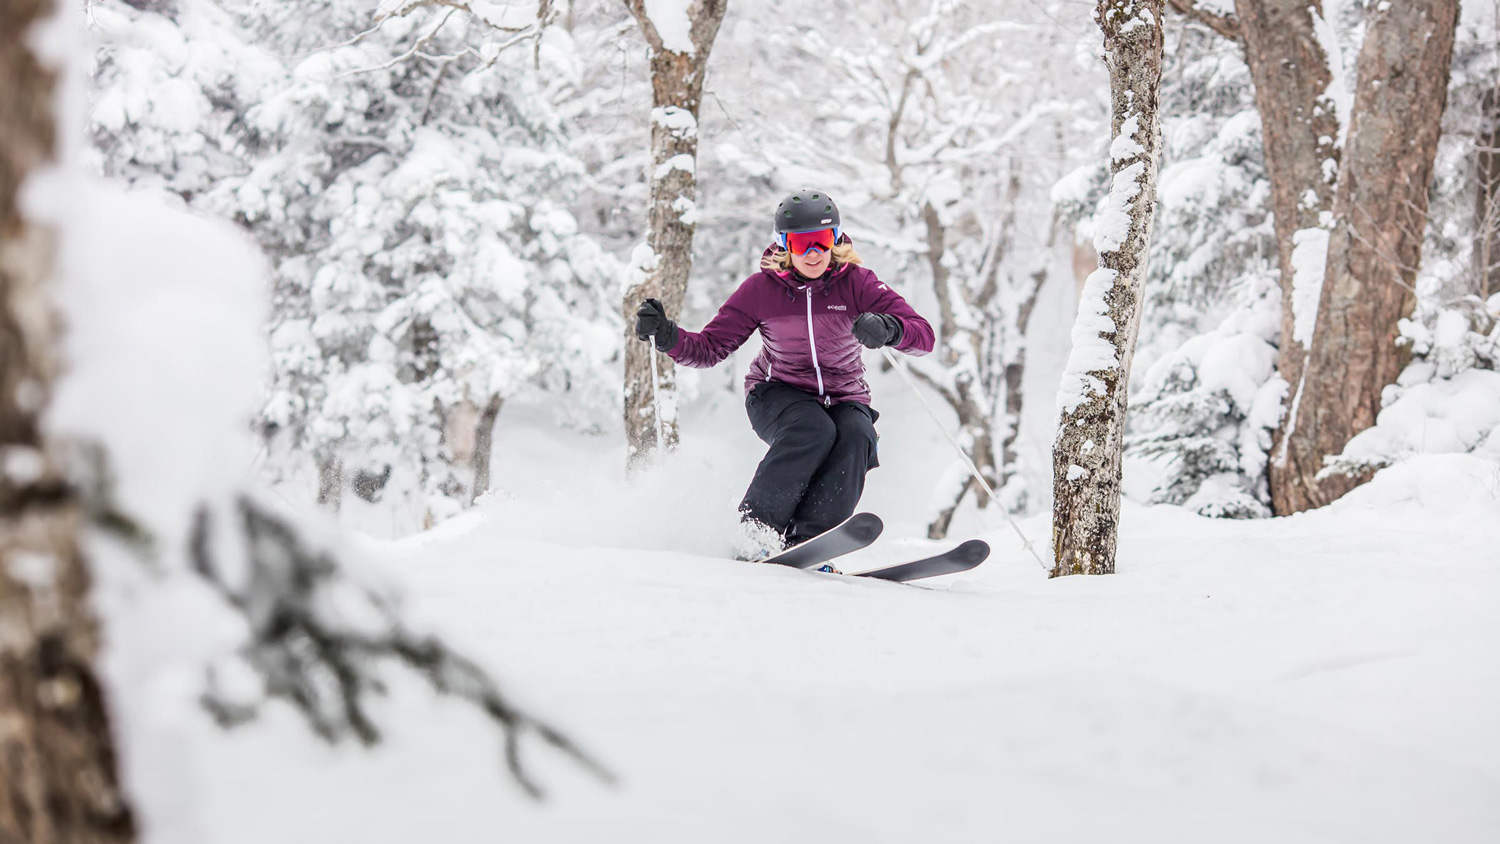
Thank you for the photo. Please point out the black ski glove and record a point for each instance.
(876, 330)
(652, 319)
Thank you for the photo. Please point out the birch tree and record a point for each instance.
(680, 36)
(58, 774)
(1086, 456)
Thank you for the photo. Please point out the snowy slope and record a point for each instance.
(1327, 677)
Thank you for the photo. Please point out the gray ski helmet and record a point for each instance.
(807, 210)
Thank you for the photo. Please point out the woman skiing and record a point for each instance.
(814, 305)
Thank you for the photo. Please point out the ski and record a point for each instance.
(854, 533)
(963, 558)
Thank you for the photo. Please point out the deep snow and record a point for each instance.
(1327, 677)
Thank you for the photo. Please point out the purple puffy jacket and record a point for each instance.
(807, 330)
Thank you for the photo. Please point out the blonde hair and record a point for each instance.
(781, 259)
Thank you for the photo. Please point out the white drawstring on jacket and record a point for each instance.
(973, 470)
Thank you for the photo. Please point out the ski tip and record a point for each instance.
(866, 526)
(974, 551)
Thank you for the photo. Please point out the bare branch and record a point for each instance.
(415, 49)
(1226, 25)
(941, 389)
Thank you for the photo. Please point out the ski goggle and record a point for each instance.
(801, 243)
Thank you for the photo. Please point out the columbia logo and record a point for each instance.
(838, 307)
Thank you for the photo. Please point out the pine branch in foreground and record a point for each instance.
(325, 665)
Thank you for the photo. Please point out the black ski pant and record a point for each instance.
(814, 472)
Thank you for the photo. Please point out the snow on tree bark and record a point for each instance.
(1086, 456)
(58, 774)
(1300, 130)
(660, 268)
(1380, 214)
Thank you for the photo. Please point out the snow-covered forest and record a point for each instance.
(341, 499)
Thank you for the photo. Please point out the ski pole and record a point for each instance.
(973, 470)
(661, 441)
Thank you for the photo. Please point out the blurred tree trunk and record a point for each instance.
(484, 435)
(1015, 397)
(1086, 457)
(331, 482)
(1487, 199)
(663, 264)
(1380, 214)
(966, 393)
(58, 776)
(986, 360)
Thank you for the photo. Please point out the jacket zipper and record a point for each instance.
(812, 342)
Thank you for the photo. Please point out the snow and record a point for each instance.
(682, 161)
(673, 24)
(175, 355)
(1113, 225)
(1309, 265)
(1092, 352)
(643, 261)
(678, 121)
(1340, 91)
(1327, 677)
(1446, 416)
(1124, 146)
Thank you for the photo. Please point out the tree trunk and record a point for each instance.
(58, 775)
(1086, 457)
(484, 435)
(1015, 375)
(661, 267)
(331, 483)
(1300, 130)
(1376, 245)
(966, 396)
(1487, 199)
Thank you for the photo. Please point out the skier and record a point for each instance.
(814, 305)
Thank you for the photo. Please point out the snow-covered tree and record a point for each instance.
(413, 185)
(1447, 399)
(681, 37)
(57, 748)
(134, 345)
(1374, 248)
(1087, 455)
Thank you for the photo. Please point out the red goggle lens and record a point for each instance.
(801, 243)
